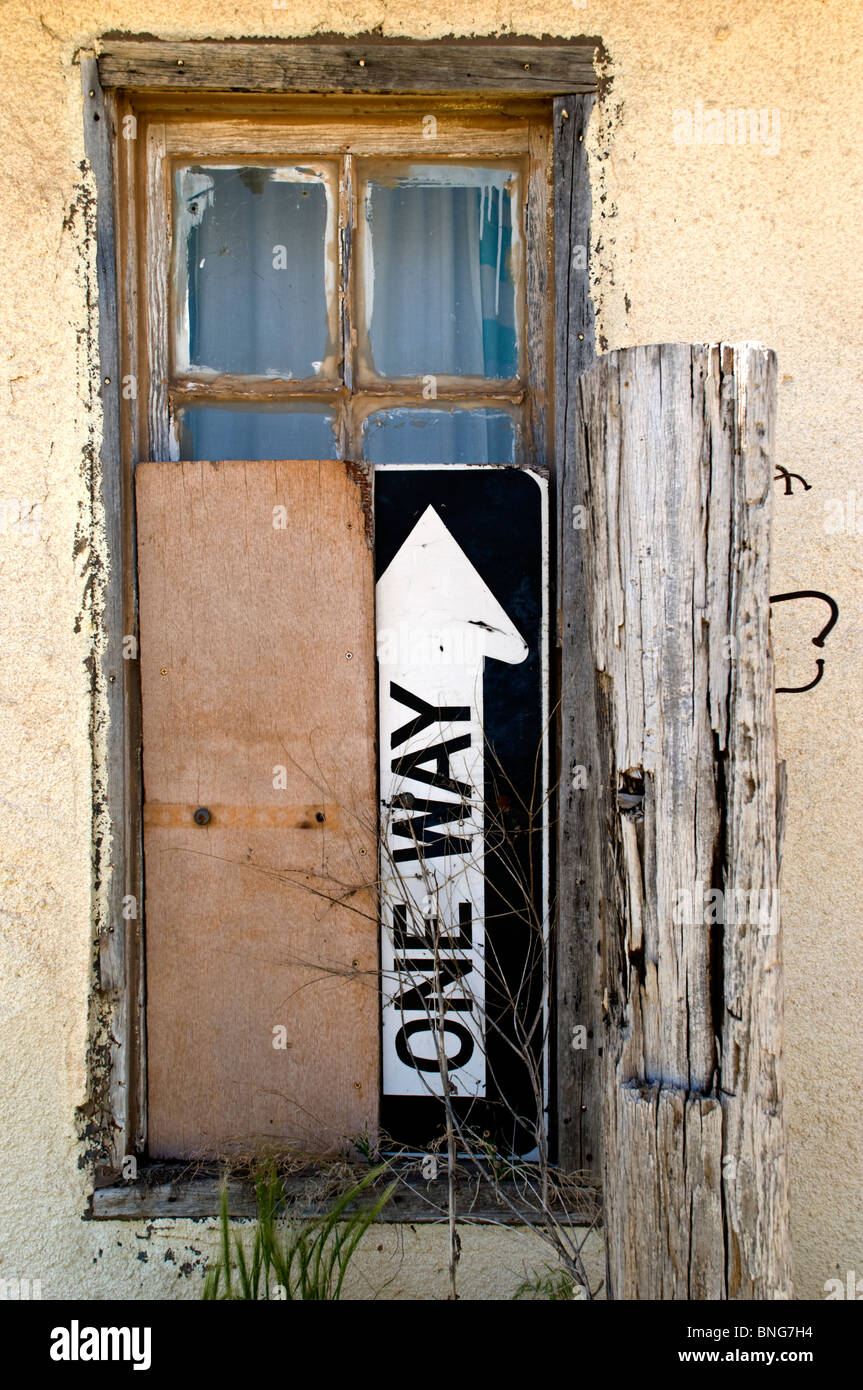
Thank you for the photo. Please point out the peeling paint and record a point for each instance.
(361, 475)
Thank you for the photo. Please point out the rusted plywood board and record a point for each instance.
(257, 670)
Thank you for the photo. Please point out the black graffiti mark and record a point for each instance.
(825, 598)
(801, 689)
(816, 641)
(783, 473)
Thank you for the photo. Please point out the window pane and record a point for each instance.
(408, 435)
(439, 272)
(299, 431)
(254, 254)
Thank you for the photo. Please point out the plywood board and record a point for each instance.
(257, 671)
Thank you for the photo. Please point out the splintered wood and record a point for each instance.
(257, 673)
(674, 464)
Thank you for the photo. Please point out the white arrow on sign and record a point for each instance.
(437, 621)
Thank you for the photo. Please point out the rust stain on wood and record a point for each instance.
(361, 475)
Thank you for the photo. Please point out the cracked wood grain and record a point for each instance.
(674, 462)
(362, 64)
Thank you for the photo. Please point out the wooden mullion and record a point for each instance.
(350, 445)
(128, 148)
(111, 1108)
(579, 841)
(158, 250)
(130, 162)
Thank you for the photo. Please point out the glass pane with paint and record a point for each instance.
(255, 270)
(297, 431)
(440, 271)
(411, 435)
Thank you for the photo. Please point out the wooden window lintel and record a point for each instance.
(364, 64)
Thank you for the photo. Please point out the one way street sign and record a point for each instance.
(461, 634)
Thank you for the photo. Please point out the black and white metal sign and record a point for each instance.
(461, 638)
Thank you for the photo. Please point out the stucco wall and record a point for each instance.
(692, 242)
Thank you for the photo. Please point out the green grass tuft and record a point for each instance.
(291, 1259)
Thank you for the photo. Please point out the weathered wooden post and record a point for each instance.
(673, 465)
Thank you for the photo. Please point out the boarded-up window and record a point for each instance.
(323, 290)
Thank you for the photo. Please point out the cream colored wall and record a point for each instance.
(695, 242)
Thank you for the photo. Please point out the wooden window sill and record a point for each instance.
(173, 1191)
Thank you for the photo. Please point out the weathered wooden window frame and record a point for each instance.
(565, 74)
(172, 132)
